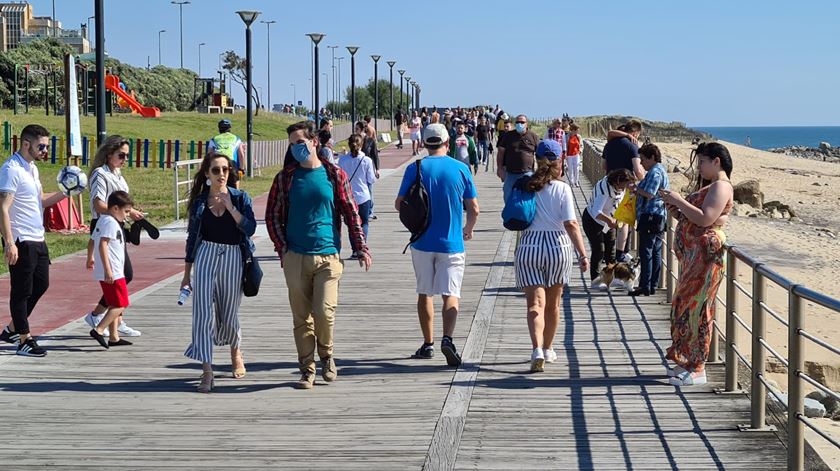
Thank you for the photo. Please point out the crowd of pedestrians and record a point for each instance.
(317, 192)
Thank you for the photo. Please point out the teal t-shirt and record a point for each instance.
(310, 228)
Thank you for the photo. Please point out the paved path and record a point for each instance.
(604, 405)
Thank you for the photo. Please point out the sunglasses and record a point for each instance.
(122, 156)
(219, 170)
(522, 122)
(43, 147)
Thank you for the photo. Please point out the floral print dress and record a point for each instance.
(700, 253)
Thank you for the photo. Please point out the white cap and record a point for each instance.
(435, 134)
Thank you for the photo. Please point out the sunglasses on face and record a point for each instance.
(122, 155)
(522, 122)
(43, 147)
(219, 170)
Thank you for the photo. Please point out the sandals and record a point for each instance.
(237, 364)
(206, 384)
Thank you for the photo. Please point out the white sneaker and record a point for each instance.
(600, 286)
(537, 360)
(625, 258)
(686, 378)
(675, 371)
(550, 355)
(93, 320)
(124, 329)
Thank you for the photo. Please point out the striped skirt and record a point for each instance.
(543, 258)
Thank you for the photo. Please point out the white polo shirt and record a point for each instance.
(26, 214)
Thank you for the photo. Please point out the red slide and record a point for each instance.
(112, 83)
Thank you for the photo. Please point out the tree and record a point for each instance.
(237, 67)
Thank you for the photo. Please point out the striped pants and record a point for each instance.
(217, 288)
(543, 258)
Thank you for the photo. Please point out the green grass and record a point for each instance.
(185, 126)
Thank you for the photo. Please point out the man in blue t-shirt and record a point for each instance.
(438, 255)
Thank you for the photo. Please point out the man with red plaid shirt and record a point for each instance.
(307, 201)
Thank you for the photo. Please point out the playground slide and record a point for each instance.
(112, 83)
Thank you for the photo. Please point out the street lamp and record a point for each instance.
(88, 28)
(159, 55)
(316, 38)
(414, 95)
(335, 86)
(402, 72)
(99, 24)
(181, 20)
(407, 92)
(248, 18)
(352, 50)
(268, 42)
(199, 58)
(340, 91)
(294, 99)
(375, 58)
(391, 89)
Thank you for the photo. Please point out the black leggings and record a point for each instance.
(602, 244)
(29, 280)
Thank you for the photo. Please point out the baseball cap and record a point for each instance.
(435, 134)
(549, 149)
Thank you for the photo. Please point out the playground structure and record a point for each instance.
(124, 100)
(210, 98)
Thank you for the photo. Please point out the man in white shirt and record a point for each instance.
(22, 203)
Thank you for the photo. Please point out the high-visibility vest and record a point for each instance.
(227, 144)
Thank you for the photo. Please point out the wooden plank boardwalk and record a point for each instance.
(605, 404)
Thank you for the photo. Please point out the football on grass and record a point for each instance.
(71, 180)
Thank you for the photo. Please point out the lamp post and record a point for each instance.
(88, 28)
(181, 21)
(414, 95)
(159, 55)
(335, 85)
(316, 38)
(268, 45)
(199, 57)
(352, 50)
(340, 91)
(391, 90)
(294, 99)
(402, 72)
(375, 58)
(248, 17)
(408, 92)
(99, 24)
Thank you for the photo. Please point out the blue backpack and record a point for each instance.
(521, 206)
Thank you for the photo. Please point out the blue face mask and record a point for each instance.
(520, 128)
(300, 152)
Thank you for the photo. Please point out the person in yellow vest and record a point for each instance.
(229, 145)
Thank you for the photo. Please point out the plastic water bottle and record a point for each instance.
(185, 293)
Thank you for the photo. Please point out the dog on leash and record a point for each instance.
(621, 275)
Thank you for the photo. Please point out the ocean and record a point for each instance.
(766, 137)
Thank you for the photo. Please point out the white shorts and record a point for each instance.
(438, 273)
(415, 135)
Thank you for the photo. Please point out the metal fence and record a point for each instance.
(734, 353)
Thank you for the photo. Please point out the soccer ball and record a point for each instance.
(72, 180)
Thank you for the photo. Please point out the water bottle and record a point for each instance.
(185, 293)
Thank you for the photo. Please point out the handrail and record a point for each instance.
(795, 360)
(176, 166)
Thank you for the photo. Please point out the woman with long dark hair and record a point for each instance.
(699, 245)
(221, 223)
(543, 258)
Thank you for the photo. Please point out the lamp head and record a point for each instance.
(391, 63)
(401, 71)
(375, 57)
(248, 16)
(352, 50)
(316, 37)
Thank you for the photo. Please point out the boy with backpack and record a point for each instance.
(441, 192)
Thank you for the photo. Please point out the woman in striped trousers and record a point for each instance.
(220, 226)
(543, 258)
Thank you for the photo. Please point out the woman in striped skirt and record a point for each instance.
(220, 227)
(543, 258)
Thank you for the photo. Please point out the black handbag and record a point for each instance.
(252, 274)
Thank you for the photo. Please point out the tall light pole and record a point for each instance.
(199, 57)
(414, 95)
(391, 90)
(88, 28)
(268, 45)
(99, 23)
(340, 91)
(352, 50)
(294, 99)
(316, 38)
(402, 72)
(159, 55)
(375, 58)
(408, 92)
(248, 17)
(181, 21)
(334, 87)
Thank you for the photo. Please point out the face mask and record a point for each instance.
(300, 152)
(520, 128)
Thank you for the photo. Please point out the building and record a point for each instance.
(18, 26)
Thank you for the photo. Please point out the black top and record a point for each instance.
(519, 151)
(619, 153)
(398, 117)
(219, 229)
(482, 132)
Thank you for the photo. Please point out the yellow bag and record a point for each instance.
(626, 211)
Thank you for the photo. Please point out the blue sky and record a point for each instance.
(706, 63)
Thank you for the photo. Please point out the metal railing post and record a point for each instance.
(669, 261)
(731, 383)
(758, 395)
(177, 198)
(796, 401)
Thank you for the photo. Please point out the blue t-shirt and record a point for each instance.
(619, 153)
(310, 228)
(448, 183)
(655, 180)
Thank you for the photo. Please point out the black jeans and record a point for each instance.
(602, 244)
(30, 278)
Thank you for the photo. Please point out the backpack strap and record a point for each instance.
(417, 180)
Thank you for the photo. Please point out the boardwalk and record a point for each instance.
(605, 404)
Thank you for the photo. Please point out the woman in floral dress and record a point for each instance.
(699, 246)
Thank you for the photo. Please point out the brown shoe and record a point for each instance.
(328, 371)
(306, 381)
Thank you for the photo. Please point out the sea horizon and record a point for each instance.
(768, 137)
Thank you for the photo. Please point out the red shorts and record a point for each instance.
(116, 294)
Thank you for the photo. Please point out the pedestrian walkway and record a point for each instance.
(606, 403)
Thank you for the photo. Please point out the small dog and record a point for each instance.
(622, 275)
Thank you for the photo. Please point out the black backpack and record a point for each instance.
(415, 209)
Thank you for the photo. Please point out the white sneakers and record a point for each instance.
(550, 355)
(124, 329)
(600, 286)
(537, 360)
(687, 378)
